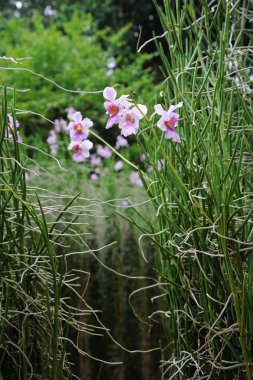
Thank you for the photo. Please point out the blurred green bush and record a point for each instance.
(77, 56)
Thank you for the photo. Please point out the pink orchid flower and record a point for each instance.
(11, 122)
(143, 157)
(11, 127)
(81, 149)
(121, 142)
(118, 166)
(135, 179)
(160, 164)
(70, 112)
(19, 138)
(94, 177)
(104, 151)
(129, 120)
(52, 141)
(53, 149)
(168, 120)
(114, 106)
(60, 125)
(95, 160)
(79, 127)
(52, 138)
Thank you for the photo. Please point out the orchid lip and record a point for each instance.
(76, 149)
(129, 118)
(78, 128)
(169, 123)
(113, 109)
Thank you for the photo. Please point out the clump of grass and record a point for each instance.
(38, 316)
(203, 194)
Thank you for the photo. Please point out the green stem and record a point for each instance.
(178, 178)
(237, 310)
(114, 150)
(119, 155)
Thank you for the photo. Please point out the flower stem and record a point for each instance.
(119, 155)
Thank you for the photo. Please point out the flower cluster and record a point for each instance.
(96, 161)
(78, 130)
(121, 111)
(127, 115)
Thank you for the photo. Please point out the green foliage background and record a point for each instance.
(74, 54)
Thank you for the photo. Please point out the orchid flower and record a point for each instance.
(95, 160)
(11, 128)
(79, 127)
(104, 151)
(121, 142)
(53, 149)
(143, 157)
(70, 112)
(52, 141)
(129, 120)
(60, 125)
(52, 138)
(81, 149)
(114, 106)
(94, 177)
(160, 164)
(168, 120)
(135, 179)
(118, 166)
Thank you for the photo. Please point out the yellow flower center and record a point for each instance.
(78, 128)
